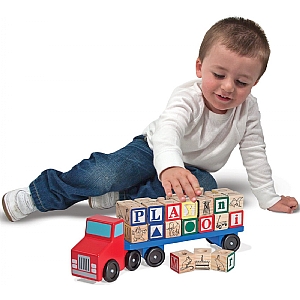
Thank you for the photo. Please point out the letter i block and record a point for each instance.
(132, 212)
(172, 209)
(189, 226)
(202, 258)
(136, 234)
(236, 219)
(222, 260)
(182, 261)
(172, 228)
(189, 209)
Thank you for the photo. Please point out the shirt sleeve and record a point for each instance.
(166, 133)
(253, 152)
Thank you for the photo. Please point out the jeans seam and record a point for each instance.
(38, 196)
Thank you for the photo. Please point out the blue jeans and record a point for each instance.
(129, 171)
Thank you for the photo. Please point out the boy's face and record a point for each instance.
(227, 78)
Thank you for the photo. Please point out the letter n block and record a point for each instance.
(182, 261)
(222, 260)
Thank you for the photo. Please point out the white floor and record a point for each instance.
(78, 77)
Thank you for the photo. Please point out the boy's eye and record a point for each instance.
(218, 76)
(241, 83)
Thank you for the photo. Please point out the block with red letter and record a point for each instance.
(182, 261)
(222, 260)
(236, 218)
(172, 209)
(206, 223)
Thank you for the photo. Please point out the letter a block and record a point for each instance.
(172, 209)
(182, 261)
(222, 260)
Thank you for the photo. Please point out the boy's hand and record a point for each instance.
(285, 204)
(182, 181)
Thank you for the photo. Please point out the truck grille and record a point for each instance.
(84, 263)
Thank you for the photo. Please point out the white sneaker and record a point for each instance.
(105, 201)
(18, 204)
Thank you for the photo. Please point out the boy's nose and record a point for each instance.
(227, 86)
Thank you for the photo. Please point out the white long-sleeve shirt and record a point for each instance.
(188, 132)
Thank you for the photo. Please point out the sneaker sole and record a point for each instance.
(8, 216)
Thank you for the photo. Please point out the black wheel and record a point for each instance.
(155, 257)
(231, 242)
(111, 271)
(132, 260)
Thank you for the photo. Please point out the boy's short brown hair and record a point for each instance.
(242, 36)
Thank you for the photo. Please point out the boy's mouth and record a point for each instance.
(223, 98)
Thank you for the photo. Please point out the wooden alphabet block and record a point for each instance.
(172, 209)
(221, 221)
(136, 234)
(206, 205)
(236, 218)
(236, 201)
(189, 226)
(222, 260)
(156, 231)
(132, 212)
(172, 228)
(189, 209)
(182, 261)
(155, 211)
(202, 258)
(206, 223)
(221, 202)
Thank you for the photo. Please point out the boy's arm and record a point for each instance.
(252, 148)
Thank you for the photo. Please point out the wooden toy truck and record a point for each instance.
(104, 251)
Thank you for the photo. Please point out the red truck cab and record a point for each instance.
(100, 254)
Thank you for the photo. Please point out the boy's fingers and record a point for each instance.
(168, 188)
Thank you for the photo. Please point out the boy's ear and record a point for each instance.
(198, 68)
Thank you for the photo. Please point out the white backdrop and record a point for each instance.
(84, 76)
